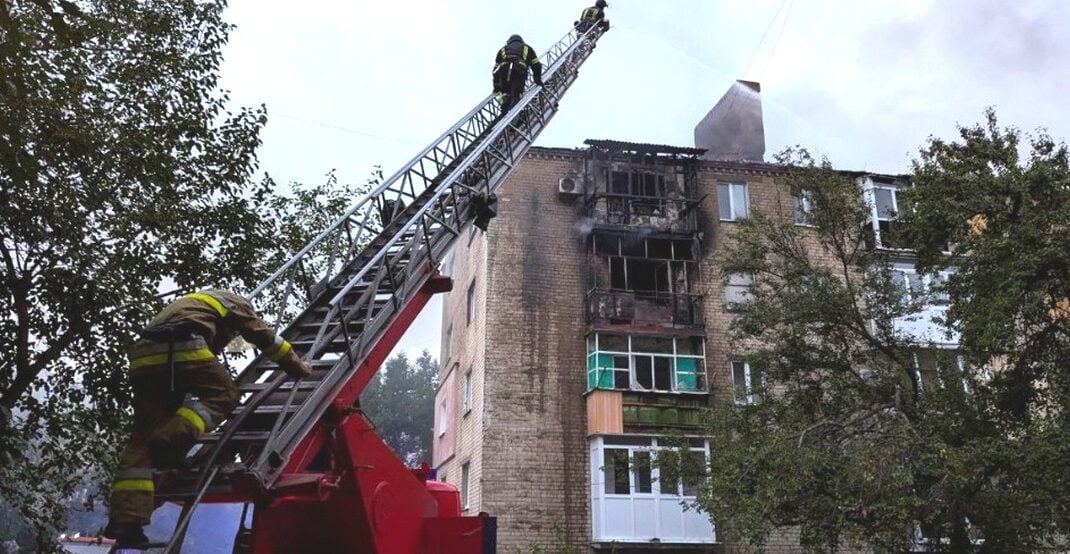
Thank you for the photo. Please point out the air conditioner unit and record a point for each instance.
(569, 187)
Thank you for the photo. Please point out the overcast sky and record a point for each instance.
(350, 85)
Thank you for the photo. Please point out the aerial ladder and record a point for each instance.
(300, 451)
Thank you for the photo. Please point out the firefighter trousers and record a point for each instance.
(170, 412)
(510, 78)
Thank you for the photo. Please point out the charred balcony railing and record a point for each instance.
(668, 214)
(644, 309)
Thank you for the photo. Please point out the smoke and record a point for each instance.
(584, 226)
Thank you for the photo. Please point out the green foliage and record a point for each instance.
(121, 170)
(400, 401)
(849, 442)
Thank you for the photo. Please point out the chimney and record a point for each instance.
(733, 129)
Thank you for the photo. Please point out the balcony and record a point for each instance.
(628, 212)
(654, 309)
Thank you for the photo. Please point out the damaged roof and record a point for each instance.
(643, 148)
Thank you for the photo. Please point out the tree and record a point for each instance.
(121, 170)
(850, 439)
(400, 402)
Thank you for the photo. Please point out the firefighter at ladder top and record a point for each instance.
(181, 390)
(594, 15)
(511, 71)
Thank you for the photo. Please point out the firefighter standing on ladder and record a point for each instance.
(595, 15)
(511, 71)
(181, 390)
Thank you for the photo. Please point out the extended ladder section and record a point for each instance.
(343, 290)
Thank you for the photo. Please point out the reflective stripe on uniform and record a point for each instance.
(590, 14)
(124, 485)
(144, 348)
(159, 359)
(279, 349)
(212, 301)
(195, 413)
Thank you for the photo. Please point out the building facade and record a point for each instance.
(588, 330)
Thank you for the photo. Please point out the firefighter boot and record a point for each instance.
(126, 535)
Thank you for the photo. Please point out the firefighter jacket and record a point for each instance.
(515, 51)
(211, 319)
(593, 14)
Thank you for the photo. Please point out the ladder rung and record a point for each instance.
(240, 436)
(254, 387)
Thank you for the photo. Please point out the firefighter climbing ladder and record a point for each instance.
(356, 287)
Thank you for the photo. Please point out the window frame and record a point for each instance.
(747, 290)
(467, 392)
(802, 203)
(470, 299)
(653, 481)
(745, 396)
(443, 413)
(732, 208)
(447, 345)
(697, 372)
(466, 486)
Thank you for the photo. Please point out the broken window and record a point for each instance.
(738, 289)
(631, 246)
(746, 381)
(637, 183)
(644, 362)
(802, 207)
(732, 201)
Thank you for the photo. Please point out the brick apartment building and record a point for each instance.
(591, 320)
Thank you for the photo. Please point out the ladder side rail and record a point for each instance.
(514, 143)
(450, 144)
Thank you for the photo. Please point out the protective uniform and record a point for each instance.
(595, 15)
(181, 390)
(511, 66)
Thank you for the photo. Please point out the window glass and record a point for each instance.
(885, 200)
(739, 380)
(669, 479)
(658, 345)
(642, 472)
(464, 486)
(803, 207)
(687, 374)
(689, 345)
(693, 465)
(614, 343)
(738, 288)
(739, 201)
(724, 201)
(615, 471)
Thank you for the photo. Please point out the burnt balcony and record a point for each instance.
(644, 309)
(669, 214)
